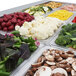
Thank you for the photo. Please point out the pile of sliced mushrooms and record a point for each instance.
(54, 63)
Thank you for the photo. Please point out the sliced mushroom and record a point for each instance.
(40, 59)
(64, 55)
(61, 52)
(50, 63)
(60, 65)
(45, 64)
(53, 67)
(50, 58)
(73, 73)
(38, 64)
(30, 72)
(68, 69)
(57, 56)
(74, 65)
(70, 52)
(52, 53)
(46, 53)
(70, 60)
(34, 69)
(59, 59)
(58, 74)
(57, 51)
(63, 62)
(68, 65)
(70, 55)
(43, 71)
(60, 70)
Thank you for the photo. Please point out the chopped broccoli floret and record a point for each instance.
(67, 36)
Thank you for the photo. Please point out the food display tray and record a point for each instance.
(51, 37)
(48, 40)
(52, 41)
(34, 58)
(17, 9)
(22, 69)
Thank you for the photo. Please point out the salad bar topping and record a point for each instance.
(61, 14)
(67, 36)
(70, 7)
(43, 71)
(53, 4)
(9, 21)
(37, 22)
(33, 44)
(14, 49)
(60, 65)
(74, 20)
(38, 10)
(41, 27)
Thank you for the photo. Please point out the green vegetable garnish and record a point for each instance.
(40, 8)
(14, 49)
(67, 36)
(4, 73)
(20, 61)
(15, 32)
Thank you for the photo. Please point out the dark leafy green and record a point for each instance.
(20, 61)
(4, 73)
(14, 49)
(25, 52)
(31, 43)
(19, 40)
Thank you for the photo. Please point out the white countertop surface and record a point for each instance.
(7, 4)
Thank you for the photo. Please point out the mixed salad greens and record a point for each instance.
(67, 36)
(14, 49)
(40, 9)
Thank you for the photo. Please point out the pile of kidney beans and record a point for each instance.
(9, 21)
